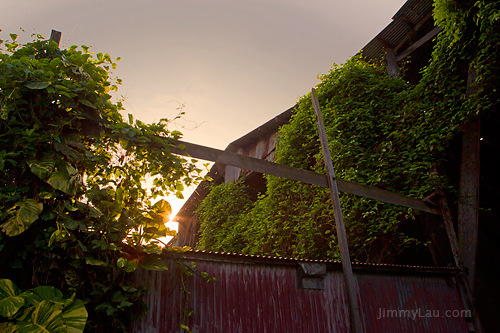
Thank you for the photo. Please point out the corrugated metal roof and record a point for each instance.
(413, 15)
(332, 264)
(258, 294)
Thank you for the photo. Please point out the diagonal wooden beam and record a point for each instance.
(285, 171)
(350, 280)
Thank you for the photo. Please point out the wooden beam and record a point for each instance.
(418, 43)
(391, 62)
(468, 206)
(308, 177)
(350, 281)
(463, 285)
(55, 36)
(448, 222)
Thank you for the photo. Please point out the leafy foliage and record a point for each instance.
(74, 209)
(41, 309)
(383, 132)
(220, 210)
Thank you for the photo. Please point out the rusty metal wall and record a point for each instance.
(252, 295)
(423, 304)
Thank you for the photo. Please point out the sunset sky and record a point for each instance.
(233, 64)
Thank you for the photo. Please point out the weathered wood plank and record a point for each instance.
(448, 222)
(56, 36)
(391, 62)
(350, 281)
(308, 177)
(468, 205)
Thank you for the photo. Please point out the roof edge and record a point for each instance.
(331, 264)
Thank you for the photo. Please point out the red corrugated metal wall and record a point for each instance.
(255, 296)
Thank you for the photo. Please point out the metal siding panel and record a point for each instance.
(289, 283)
(263, 297)
(256, 300)
(248, 310)
(382, 294)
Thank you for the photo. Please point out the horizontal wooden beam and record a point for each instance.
(419, 43)
(309, 177)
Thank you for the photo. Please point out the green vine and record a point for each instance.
(219, 211)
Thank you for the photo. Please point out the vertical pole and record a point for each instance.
(350, 282)
(468, 207)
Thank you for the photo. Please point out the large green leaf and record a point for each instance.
(37, 85)
(46, 318)
(162, 207)
(75, 316)
(95, 262)
(128, 265)
(27, 213)
(153, 262)
(61, 180)
(42, 168)
(160, 212)
(69, 152)
(10, 300)
(47, 293)
(8, 327)
(87, 103)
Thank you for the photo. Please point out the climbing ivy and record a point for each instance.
(74, 209)
(220, 210)
(383, 132)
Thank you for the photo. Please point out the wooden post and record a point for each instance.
(448, 222)
(55, 36)
(391, 62)
(468, 206)
(350, 282)
(463, 286)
